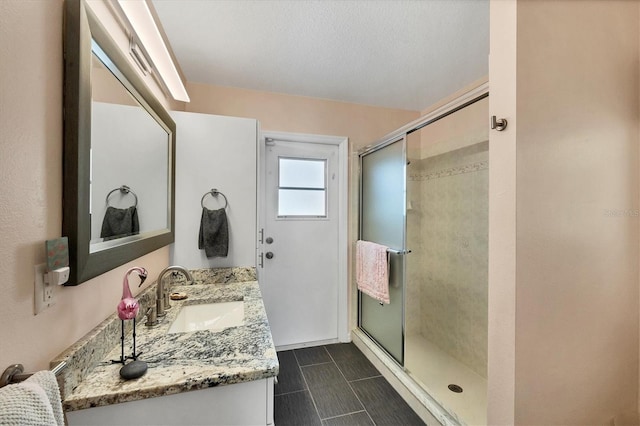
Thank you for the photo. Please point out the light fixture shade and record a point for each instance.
(141, 21)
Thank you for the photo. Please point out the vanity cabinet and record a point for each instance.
(247, 403)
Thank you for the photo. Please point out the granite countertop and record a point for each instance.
(178, 362)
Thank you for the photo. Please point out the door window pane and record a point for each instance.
(300, 202)
(302, 173)
(302, 187)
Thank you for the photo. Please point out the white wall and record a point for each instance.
(215, 152)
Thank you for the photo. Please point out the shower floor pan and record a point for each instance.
(435, 370)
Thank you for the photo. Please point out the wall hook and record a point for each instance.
(498, 124)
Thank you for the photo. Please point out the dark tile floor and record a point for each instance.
(336, 385)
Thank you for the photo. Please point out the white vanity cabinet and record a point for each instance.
(246, 403)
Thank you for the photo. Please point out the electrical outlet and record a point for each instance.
(43, 295)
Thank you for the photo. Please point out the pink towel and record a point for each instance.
(372, 270)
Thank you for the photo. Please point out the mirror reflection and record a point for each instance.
(129, 179)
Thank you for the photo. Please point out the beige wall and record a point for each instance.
(277, 112)
(577, 267)
(455, 95)
(576, 186)
(106, 88)
(31, 192)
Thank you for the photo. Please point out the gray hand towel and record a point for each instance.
(214, 233)
(119, 223)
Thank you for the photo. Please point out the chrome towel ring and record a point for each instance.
(214, 193)
(124, 189)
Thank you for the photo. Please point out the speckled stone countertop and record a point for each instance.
(178, 362)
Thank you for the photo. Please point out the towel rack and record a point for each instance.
(214, 193)
(124, 189)
(15, 373)
(394, 251)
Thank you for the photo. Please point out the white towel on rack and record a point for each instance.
(372, 270)
(36, 401)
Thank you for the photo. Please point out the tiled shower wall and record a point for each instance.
(447, 272)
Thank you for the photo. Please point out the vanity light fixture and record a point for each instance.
(141, 21)
(139, 57)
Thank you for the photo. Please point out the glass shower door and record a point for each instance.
(382, 221)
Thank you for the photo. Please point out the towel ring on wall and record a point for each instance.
(124, 189)
(214, 193)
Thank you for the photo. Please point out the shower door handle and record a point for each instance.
(400, 252)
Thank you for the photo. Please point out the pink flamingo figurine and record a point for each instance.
(129, 306)
(127, 310)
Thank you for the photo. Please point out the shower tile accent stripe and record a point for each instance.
(469, 168)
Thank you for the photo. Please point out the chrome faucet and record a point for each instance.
(162, 296)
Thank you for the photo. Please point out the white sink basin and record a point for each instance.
(209, 316)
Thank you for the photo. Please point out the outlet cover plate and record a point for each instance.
(42, 292)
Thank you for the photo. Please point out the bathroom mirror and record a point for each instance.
(119, 154)
(129, 159)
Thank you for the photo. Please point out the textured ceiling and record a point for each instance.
(392, 53)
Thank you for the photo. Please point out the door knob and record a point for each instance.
(269, 255)
(269, 240)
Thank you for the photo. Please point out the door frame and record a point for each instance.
(342, 142)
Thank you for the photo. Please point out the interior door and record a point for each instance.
(299, 250)
(382, 221)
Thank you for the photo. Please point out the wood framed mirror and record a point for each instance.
(119, 153)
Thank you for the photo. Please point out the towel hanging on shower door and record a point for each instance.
(372, 270)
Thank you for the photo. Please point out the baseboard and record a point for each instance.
(306, 344)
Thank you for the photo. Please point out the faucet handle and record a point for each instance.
(160, 307)
(152, 318)
(167, 298)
